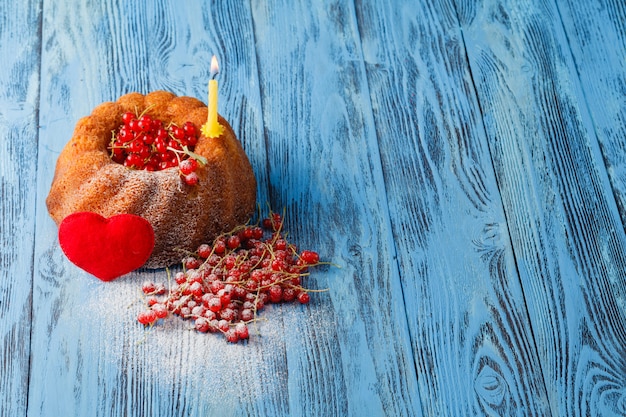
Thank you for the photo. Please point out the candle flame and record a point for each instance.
(215, 68)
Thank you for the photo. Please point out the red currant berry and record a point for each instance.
(144, 153)
(145, 123)
(278, 265)
(198, 311)
(252, 285)
(204, 251)
(229, 262)
(191, 179)
(191, 262)
(232, 336)
(289, 294)
(188, 166)
(277, 221)
(185, 312)
(214, 304)
(160, 145)
(160, 311)
(216, 285)
(148, 139)
(239, 293)
(228, 314)
(125, 135)
(223, 325)
(135, 146)
(127, 117)
(196, 289)
(202, 325)
(233, 242)
(161, 134)
(303, 297)
(189, 129)
(175, 145)
(257, 233)
(310, 257)
(133, 161)
(148, 287)
(242, 331)
(178, 132)
(224, 296)
(146, 317)
(180, 278)
(134, 125)
(219, 247)
(276, 294)
(246, 314)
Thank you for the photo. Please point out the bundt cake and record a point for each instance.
(182, 215)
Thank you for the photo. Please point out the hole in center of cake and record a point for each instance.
(145, 142)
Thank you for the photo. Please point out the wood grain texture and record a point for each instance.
(459, 162)
(568, 239)
(325, 169)
(468, 321)
(20, 44)
(597, 37)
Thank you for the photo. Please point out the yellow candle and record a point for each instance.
(212, 103)
(212, 127)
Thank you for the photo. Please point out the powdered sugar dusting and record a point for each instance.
(212, 373)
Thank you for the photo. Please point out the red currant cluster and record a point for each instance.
(143, 142)
(225, 285)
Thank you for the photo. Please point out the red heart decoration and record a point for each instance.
(106, 248)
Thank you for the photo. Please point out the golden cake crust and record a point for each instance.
(183, 216)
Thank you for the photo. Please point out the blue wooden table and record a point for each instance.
(461, 162)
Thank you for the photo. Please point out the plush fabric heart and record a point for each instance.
(106, 248)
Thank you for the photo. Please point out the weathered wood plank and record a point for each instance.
(331, 164)
(90, 357)
(324, 164)
(596, 31)
(468, 321)
(568, 239)
(19, 93)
